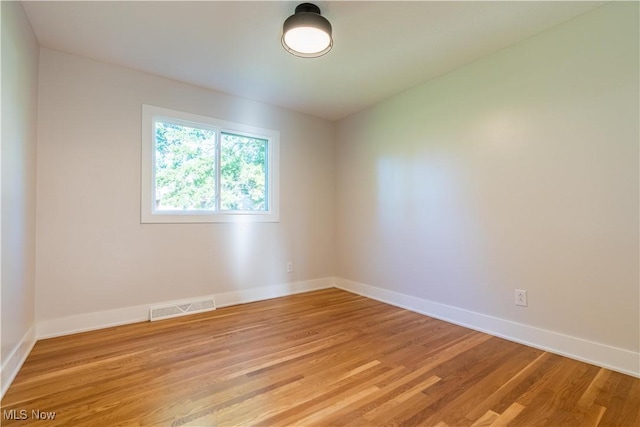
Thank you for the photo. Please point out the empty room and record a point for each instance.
(339, 213)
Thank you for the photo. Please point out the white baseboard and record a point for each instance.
(267, 292)
(616, 359)
(12, 364)
(140, 313)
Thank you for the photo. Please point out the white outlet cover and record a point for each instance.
(520, 296)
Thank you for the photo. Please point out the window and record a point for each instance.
(199, 169)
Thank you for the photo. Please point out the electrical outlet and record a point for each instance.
(521, 297)
(289, 267)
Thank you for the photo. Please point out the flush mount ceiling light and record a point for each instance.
(306, 33)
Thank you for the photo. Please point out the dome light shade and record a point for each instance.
(306, 33)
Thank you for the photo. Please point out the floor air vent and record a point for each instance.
(182, 309)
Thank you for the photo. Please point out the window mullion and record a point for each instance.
(218, 174)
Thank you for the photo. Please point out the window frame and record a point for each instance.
(148, 212)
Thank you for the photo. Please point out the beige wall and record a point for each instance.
(93, 253)
(517, 171)
(19, 114)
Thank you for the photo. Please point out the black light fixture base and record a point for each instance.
(307, 7)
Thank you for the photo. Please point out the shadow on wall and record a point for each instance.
(425, 223)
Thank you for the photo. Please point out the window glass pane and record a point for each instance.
(243, 173)
(184, 168)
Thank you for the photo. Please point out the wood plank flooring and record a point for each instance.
(325, 358)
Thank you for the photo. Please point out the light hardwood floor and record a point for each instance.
(326, 358)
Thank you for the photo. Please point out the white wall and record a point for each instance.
(93, 253)
(18, 177)
(517, 171)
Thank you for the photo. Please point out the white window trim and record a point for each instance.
(148, 214)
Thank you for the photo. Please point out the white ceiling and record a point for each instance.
(380, 48)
